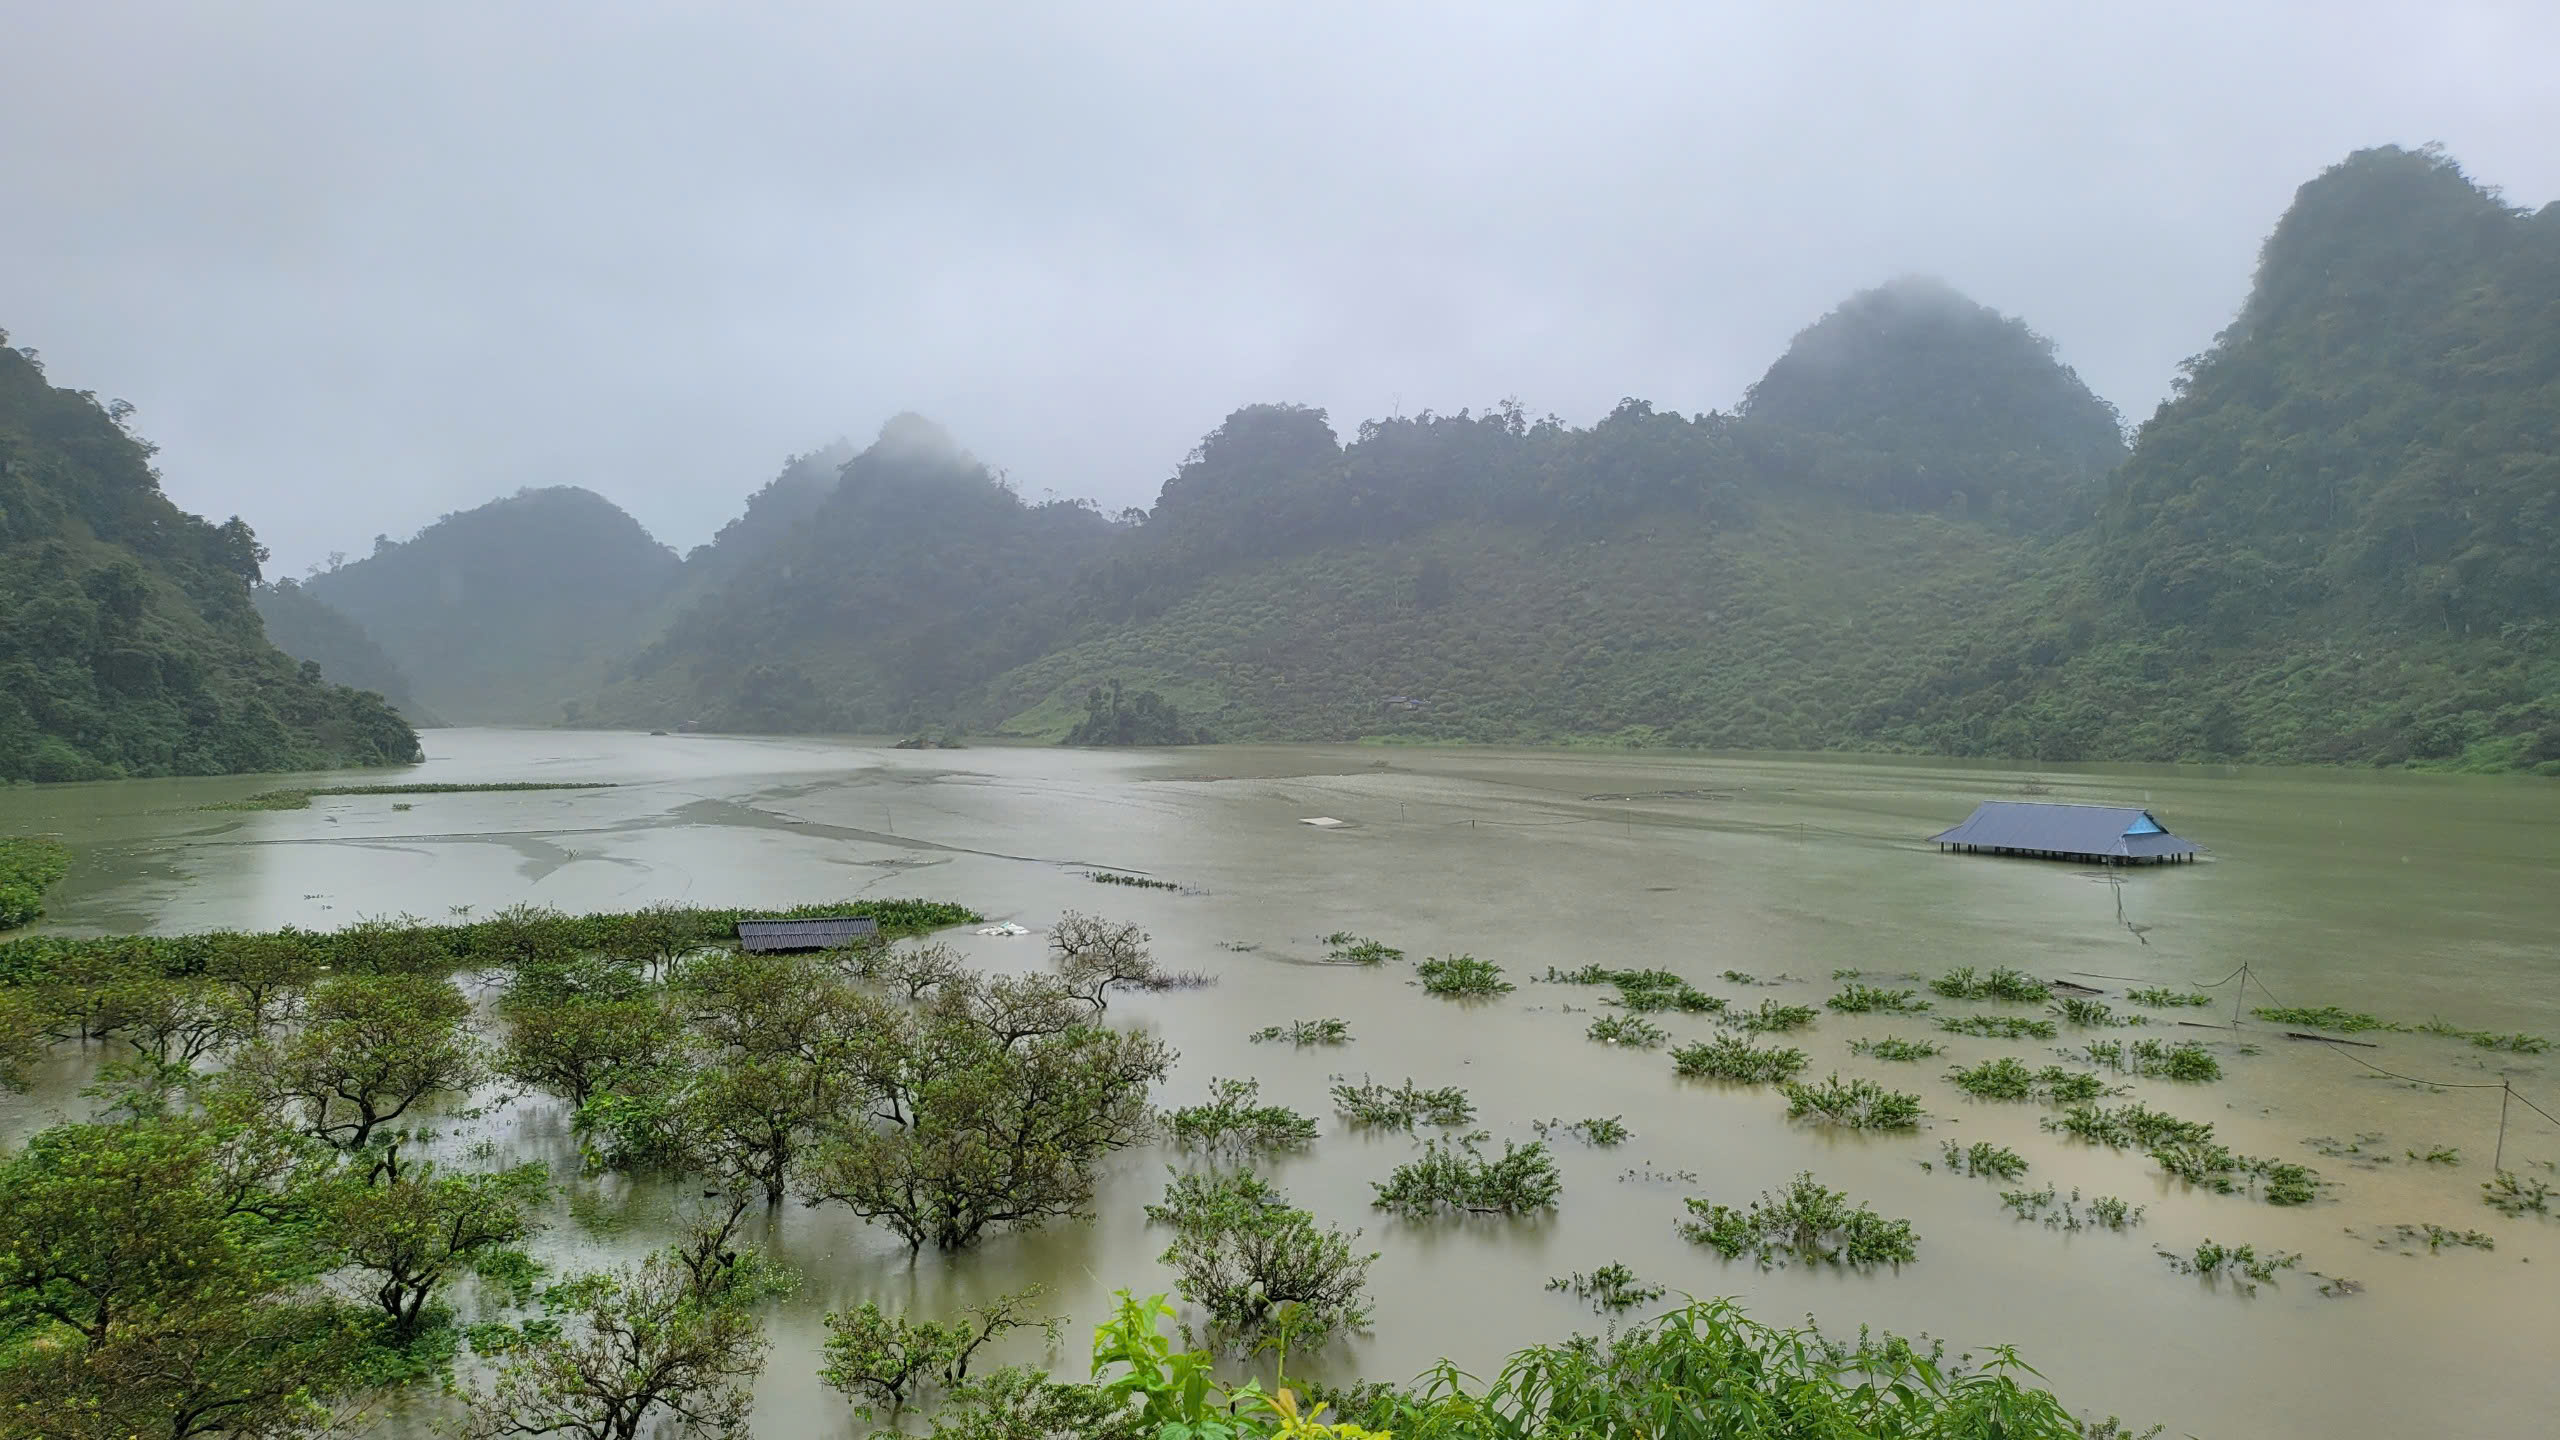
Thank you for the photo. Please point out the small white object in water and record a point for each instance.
(1007, 928)
(1321, 822)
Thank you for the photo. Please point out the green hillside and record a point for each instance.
(919, 576)
(510, 611)
(306, 627)
(129, 643)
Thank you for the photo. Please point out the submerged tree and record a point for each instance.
(373, 1049)
(1114, 717)
(412, 1235)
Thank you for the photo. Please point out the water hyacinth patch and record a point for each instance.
(1772, 1018)
(1808, 1222)
(1734, 1057)
(1859, 1104)
(1870, 999)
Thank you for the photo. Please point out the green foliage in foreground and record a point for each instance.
(29, 866)
(1859, 1104)
(1734, 1057)
(879, 1360)
(656, 934)
(1462, 977)
(1454, 1176)
(1808, 1222)
(301, 799)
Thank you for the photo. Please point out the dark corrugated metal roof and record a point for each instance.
(819, 932)
(2099, 830)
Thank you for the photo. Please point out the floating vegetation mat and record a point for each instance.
(1874, 1000)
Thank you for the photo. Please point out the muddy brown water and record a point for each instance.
(2405, 896)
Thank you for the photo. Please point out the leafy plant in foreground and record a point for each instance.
(1807, 1221)
(1243, 1253)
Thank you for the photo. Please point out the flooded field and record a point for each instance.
(2405, 896)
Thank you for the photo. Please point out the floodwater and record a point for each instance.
(2406, 896)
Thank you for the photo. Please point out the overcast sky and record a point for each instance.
(360, 265)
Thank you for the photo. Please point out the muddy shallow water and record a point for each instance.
(2405, 896)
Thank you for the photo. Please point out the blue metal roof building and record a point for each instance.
(2109, 834)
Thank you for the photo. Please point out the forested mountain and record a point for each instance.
(2338, 541)
(508, 612)
(919, 576)
(306, 627)
(129, 644)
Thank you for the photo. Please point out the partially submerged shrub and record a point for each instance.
(1303, 1033)
(883, 1360)
(1871, 999)
(1233, 1119)
(1346, 948)
(1462, 977)
(1772, 1018)
(2130, 1127)
(2162, 998)
(1734, 1057)
(2182, 1060)
(1611, 1288)
(1627, 1030)
(1982, 1158)
(2002, 1079)
(2517, 1195)
(1401, 1107)
(2106, 1212)
(1455, 1176)
(2187, 1150)
(1643, 991)
(1859, 1104)
(1964, 983)
(1242, 1252)
(2076, 1010)
(1807, 1222)
(2242, 1265)
(2325, 1017)
(1893, 1047)
(1997, 1027)
(1600, 1132)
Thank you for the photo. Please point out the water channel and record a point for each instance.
(2405, 896)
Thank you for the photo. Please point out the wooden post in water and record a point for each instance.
(2506, 1088)
(2240, 994)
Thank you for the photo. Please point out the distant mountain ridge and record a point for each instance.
(2339, 541)
(129, 642)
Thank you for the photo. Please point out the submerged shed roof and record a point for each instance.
(2119, 832)
(820, 932)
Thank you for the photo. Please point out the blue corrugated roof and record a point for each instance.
(2116, 831)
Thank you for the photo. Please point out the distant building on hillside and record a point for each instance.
(2107, 834)
(820, 932)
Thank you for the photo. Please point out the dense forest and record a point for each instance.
(129, 640)
(2338, 541)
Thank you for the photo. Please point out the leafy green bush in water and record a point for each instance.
(1627, 1030)
(2131, 1127)
(29, 866)
(1997, 1027)
(2076, 1010)
(881, 1361)
(1235, 1119)
(1871, 999)
(1243, 1252)
(1349, 949)
(2105, 1212)
(1600, 1132)
(1400, 1107)
(2182, 1060)
(2512, 1194)
(1643, 991)
(2187, 1149)
(1734, 1057)
(2240, 1264)
(2325, 1017)
(1893, 1047)
(2002, 1079)
(2162, 998)
(1462, 977)
(1965, 983)
(1859, 1104)
(1611, 1288)
(1807, 1221)
(1455, 1176)
(1982, 1158)
(1303, 1033)
(1772, 1018)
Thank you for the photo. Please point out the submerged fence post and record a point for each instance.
(2506, 1091)
(2239, 995)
